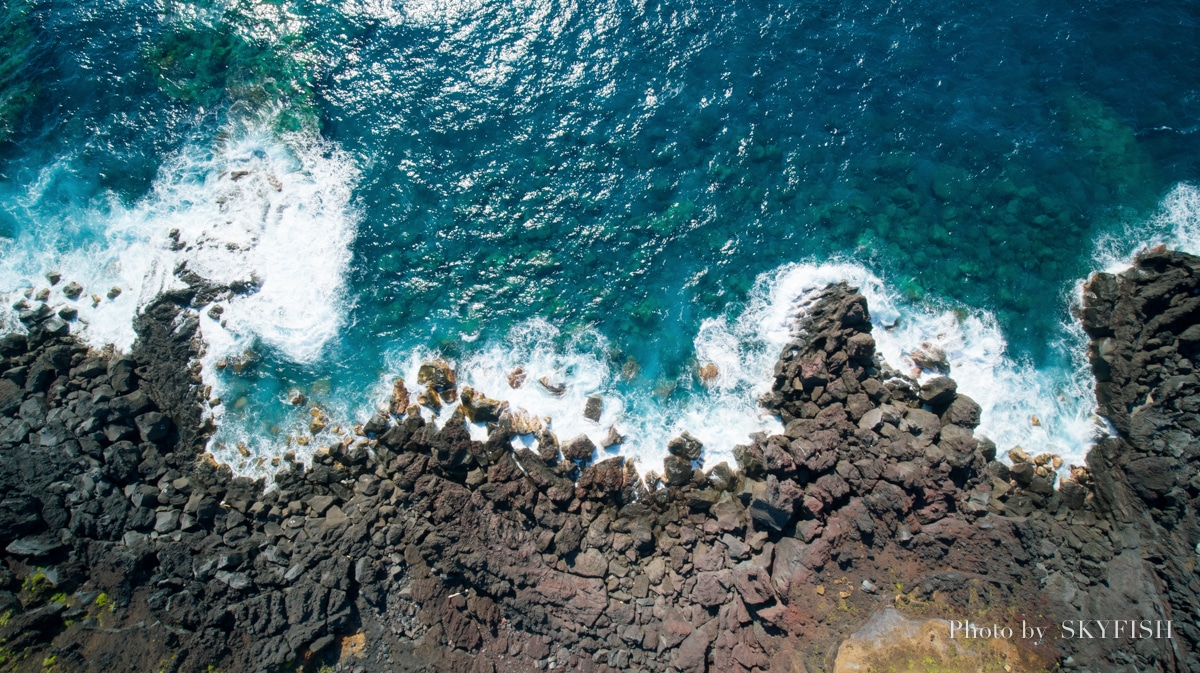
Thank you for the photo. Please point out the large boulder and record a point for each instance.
(685, 446)
(677, 471)
(436, 374)
(480, 408)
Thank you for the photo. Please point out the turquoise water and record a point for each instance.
(610, 194)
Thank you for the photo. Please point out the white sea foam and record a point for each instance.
(721, 417)
(1010, 392)
(253, 208)
(1175, 224)
(744, 349)
(88, 245)
(280, 216)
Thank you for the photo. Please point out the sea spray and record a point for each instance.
(1040, 411)
(279, 218)
(1175, 224)
(267, 214)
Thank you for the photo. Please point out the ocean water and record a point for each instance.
(609, 195)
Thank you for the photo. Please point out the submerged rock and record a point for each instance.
(516, 378)
(931, 357)
(593, 408)
(555, 389)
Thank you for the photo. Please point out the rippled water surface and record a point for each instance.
(610, 195)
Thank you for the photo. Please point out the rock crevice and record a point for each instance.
(414, 548)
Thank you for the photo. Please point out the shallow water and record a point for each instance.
(610, 195)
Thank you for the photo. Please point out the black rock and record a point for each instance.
(13, 344)
(963, 411)
(579, 448)
(128, 406)
(999, 470)
(938, 392)
(1073, 493)
(121, 373)
(677, 471)
(377, 425)
(55, 326)
(33, 411)
(121, 461)
(90, 368)
(34, 546)
(153, 426)
(685, 446)
(1022, 473)
(10, 396)
(593, 408)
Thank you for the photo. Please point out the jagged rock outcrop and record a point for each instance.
(414, 548)
(1145, 330)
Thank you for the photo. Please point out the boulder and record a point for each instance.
(963, 411)
(590, 563)
(479, 408)
(753, 581)
(579, 448)
(606, 478)
(773, 502)
(938, 392)
(398, 404)
(34, 546)
(55, 326)
(593, 408)
(685, 446)
(722, 477)
(437, 375)
(430, 400)
(1152, 477)
(677, 471)
(861, 348)
(1022, 473)
(377, 425)
(152, 426)
(121, 374)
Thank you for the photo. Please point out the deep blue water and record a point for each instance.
(430, 177)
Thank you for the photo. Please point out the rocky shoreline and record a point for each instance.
(418, 549)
